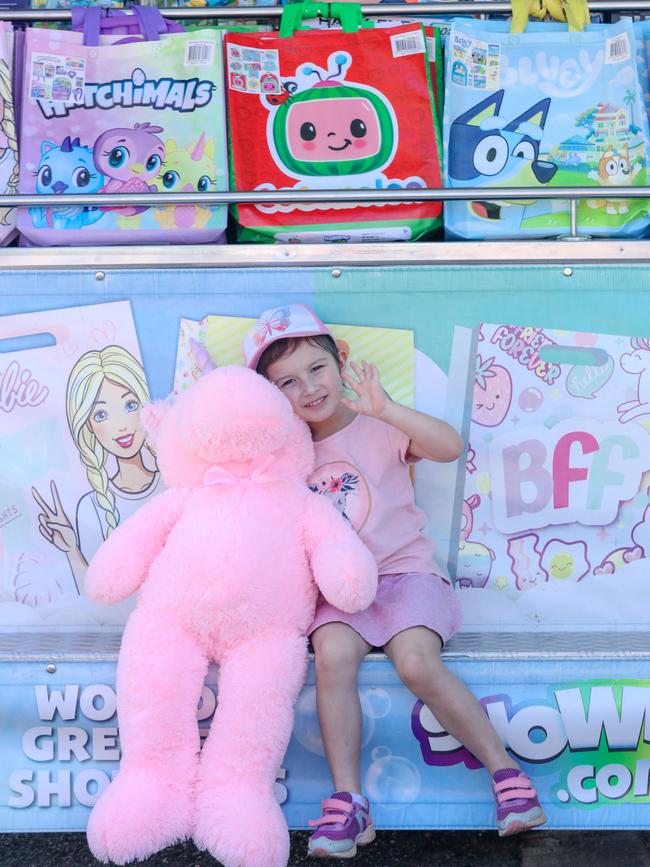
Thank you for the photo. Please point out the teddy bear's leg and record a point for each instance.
(238, 818)
(149, 805)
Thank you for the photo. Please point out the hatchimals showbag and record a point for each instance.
(130, 114)
(333, 110)
(544, 108)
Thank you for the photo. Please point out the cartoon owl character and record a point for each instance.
(187, 169)
(66, 169)
(129, 158)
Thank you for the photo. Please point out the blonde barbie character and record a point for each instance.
(8, 138)
(105, 392)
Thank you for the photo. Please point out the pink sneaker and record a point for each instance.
(518, 807)
(344, 825)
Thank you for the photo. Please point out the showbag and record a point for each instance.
(544, 108)
(108, 111)
(555, 487)
(332, 109)
(74, 457)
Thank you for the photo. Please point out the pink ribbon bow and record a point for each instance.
(218, 475)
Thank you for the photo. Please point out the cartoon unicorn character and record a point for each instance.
(186, 170)
(636, 362)
(66, 169)
(474, 559)
(325, 129)
(614, 170)
(485, 148)
(129, 158)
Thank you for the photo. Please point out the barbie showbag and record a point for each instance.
(132, 112)
(73, 460)
(555, 489)
(348, 108)
(544, 108)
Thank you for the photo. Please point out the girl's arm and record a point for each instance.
(429, 437)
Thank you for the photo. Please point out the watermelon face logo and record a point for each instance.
(330, 127)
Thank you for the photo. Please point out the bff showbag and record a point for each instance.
(332, 109)
(554, 491)
(544, 108)
(109, 111)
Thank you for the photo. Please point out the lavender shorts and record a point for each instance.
(402, 601)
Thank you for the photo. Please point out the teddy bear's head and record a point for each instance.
(232, 418)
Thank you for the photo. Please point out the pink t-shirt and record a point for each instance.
(364, 470)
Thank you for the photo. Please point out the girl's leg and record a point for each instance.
(415, 654)
(345, 823)
(339, 651)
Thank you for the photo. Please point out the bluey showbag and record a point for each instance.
(544, 108)
(332, 109)
(554, 491)
(122, 113)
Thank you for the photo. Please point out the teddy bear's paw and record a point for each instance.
(241, 829)
(139, 814)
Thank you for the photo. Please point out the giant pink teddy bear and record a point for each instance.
(225, 561)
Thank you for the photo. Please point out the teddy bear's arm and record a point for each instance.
(344, 569)
(121, 564)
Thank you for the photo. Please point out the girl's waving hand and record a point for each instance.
(366, 384)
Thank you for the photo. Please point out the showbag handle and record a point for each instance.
(349, 14)
(575, 13)
(141, 21)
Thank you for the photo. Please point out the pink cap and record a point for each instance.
(292, 320)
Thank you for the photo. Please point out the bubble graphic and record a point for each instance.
(375, 703)
(392, 779)
(530, 399)
(306, 728)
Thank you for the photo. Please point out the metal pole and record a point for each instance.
(272, 197)
(441, 8)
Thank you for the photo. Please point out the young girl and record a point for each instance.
(363, 449)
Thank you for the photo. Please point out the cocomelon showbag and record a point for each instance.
(555, 487)
(133, 112)
(71, 386)
(332, 109)
(544, 108)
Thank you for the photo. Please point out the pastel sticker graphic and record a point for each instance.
(584, 380)
(492, 392)
(565, 560)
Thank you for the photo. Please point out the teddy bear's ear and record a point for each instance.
(151, 417)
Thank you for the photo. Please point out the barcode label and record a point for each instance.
(431, 49)
(617, 49)
(407, 43)
(199, 54)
